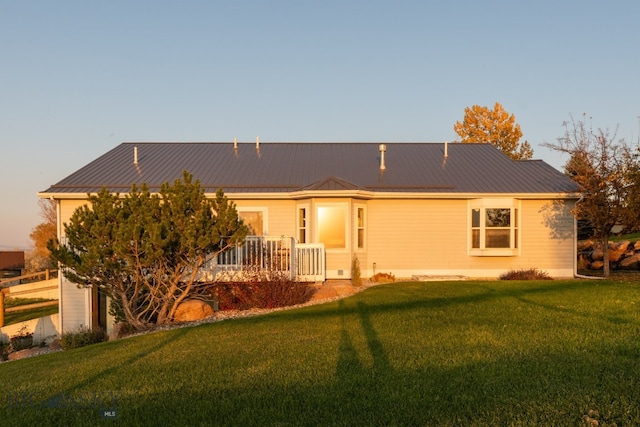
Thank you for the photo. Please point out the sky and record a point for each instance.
(77, 78)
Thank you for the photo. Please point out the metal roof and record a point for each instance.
(289, 167)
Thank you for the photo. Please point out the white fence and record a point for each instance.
(303, 262)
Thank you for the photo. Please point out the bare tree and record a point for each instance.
(600, 164)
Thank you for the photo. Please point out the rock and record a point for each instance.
(596, 265)
(191, 310)
(616, 250)
(597, 254)
(585, 245)
(631, 263)
(120, 329)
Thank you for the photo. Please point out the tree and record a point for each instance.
(145, 251)
(497, 127)
(40, 258)
(602, 167)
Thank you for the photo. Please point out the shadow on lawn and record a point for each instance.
(423, 300)
(348, 360)
(146, 350)
(560, 393)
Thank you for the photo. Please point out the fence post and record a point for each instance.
(1, 308)
(46, 274)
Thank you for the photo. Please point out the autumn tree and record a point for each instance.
(40, 258)
(146, 251)
(496, 127)
(601, 165)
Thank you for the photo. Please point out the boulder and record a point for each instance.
(596, 265)
(597, 254)
(631, 263)
(616, 250)
(191, 310)
(585, 245)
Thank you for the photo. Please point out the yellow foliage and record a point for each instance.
(496, 127)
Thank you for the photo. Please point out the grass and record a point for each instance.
(23, 315)
(436, 353)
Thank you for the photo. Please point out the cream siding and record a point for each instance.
(402, 237)
(281, 214)
(75, 303)
(431, 237)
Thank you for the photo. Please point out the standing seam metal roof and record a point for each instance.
(287, 167)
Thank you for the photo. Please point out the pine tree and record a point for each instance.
(145, 251)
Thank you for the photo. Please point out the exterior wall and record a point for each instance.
(280, 215)
(43, 328)
(75, 304)
(431, 237)
(402, 237)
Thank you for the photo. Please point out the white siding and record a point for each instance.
(75, 308)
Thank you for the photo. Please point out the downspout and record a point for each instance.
(59, 236)
(575, 248)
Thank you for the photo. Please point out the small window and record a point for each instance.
(254, 219)
(360, 227)
(302, 225)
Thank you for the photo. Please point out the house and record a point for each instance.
(11, 264)
(409, 209)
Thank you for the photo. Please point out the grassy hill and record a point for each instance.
(436, 353)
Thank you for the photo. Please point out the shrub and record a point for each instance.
(82, 337)
(355, 271)
(22, 340)
(383, 277)
(261, 290)
(530, 274)
(5, 349)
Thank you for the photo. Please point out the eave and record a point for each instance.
(356, 194)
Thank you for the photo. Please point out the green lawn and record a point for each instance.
(437, 353)
(32, 313)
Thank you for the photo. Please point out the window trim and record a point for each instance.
(515, 227)
(305, 227)
(357, 227)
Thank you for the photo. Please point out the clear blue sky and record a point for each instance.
(79, 77)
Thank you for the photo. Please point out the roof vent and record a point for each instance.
(135, 155)
(382, 149)
(258, 143)
(446, 149)
(235, 143)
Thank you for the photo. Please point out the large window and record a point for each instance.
(332, 226)
(494, 227)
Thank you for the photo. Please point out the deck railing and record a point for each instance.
(303, 262)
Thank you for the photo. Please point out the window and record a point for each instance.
(494, 228)
(302, 225)
(360, 227)
(332, 226)
(254, 218)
